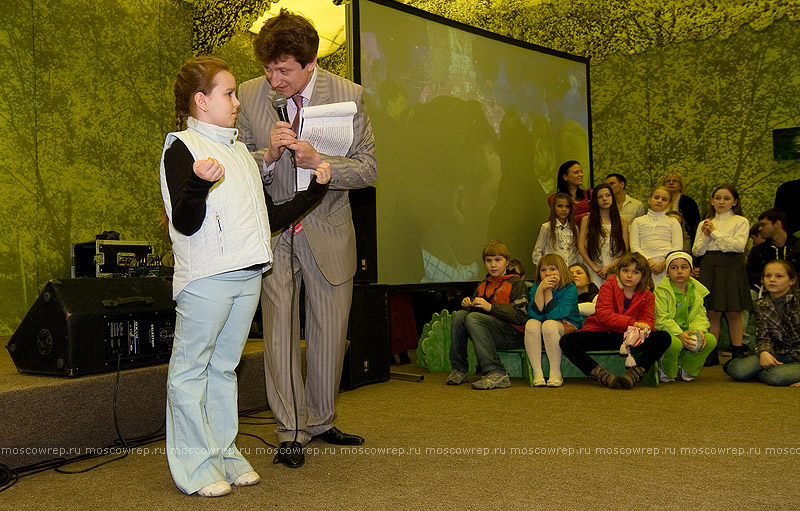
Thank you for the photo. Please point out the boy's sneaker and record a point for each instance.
(456, 378)
(684, 376)
(662, 376)
(492, 381)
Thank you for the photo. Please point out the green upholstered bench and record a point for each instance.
(518, 365)
(434, 347)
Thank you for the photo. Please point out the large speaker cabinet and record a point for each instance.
(84, 326)
(367, 358)
(362, 203)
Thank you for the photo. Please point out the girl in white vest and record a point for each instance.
(220, 231)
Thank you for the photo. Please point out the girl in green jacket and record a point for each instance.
(680, 312)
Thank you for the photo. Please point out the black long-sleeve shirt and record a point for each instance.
(691, 215)
(188, 194)
(762, 254)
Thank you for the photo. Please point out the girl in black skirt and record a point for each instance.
(721, 239)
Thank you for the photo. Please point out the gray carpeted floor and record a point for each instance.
(709, 444)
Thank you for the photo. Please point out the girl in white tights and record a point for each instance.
(553, 311)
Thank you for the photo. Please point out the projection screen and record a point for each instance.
(470, 128)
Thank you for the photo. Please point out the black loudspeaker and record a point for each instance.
(367, 358)
(786, 144)
(362, 203)
(83, 326)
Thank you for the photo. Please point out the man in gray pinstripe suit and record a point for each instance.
(323, 243)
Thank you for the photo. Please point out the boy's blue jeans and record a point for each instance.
(747, 368)
(488, 335)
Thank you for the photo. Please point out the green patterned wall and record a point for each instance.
(705, 109)
(19, 188)
(85, 106)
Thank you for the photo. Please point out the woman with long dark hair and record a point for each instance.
(603, 239)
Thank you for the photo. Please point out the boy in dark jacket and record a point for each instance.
(493, 317)
(778, 245)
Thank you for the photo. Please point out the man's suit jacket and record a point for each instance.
(329, 225)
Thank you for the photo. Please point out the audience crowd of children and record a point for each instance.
(653, 286)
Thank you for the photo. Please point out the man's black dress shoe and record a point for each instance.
(290, 454)
(334, 436)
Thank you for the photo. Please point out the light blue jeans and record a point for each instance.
(747, 368)
(214, 315)
(488, 335)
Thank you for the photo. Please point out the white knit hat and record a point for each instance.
(679, 254)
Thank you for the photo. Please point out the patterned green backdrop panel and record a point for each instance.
(238, 53)
(102, 107)
(621, 80)
(18, 180)
(94, 78)
(598, 29)
(705, 109)
(216, 21)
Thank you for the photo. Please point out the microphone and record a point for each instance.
(279, 104)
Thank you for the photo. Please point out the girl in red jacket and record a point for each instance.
(625, 300)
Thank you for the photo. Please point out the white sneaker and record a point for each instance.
(684, 376)
(248, 479)
(492, 381)
(215, 489)
(662, 376)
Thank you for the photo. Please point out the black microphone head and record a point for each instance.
(279, 101)
(279, 104)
